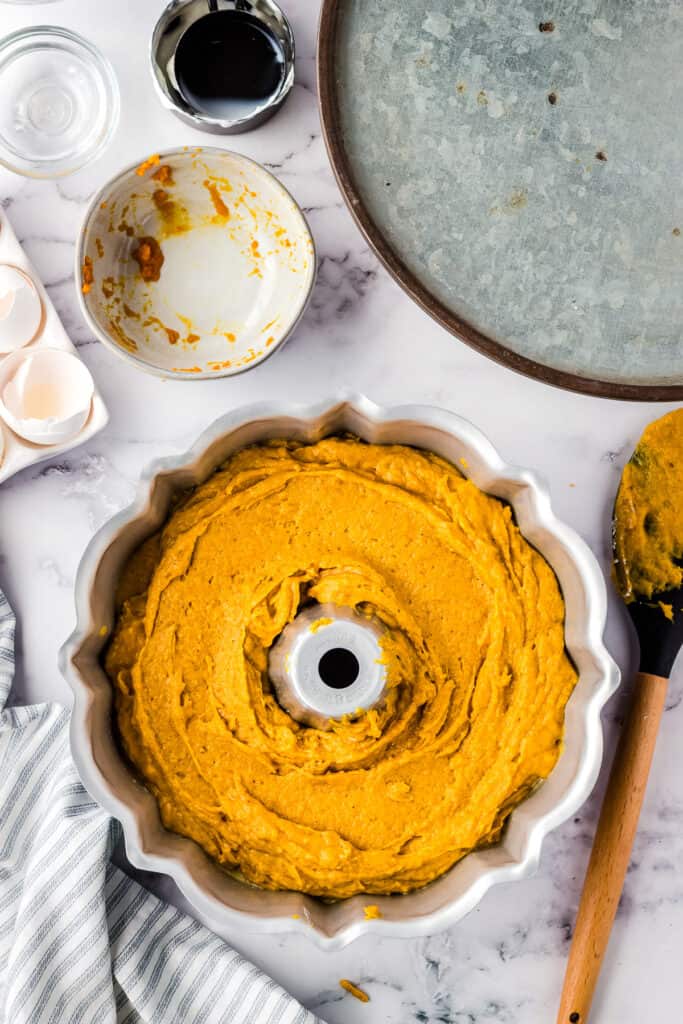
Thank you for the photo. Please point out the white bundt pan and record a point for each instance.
(225, 903)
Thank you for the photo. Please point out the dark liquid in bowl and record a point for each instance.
(228, 64)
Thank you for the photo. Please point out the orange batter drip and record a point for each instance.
(87, 275)
(164, 175)
(151, 161)
(217, 199)
(149, 258)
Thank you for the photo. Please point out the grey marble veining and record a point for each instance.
(504, 963)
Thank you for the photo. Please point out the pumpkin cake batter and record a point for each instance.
(477, 674)
(648, 533)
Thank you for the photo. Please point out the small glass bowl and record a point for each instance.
(60, 102)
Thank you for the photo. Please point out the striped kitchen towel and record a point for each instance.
(80, 941)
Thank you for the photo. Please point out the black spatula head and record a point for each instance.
(659, 636)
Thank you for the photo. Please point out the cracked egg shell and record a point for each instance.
(46, 396)
(21, 309)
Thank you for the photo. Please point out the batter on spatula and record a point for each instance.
(648, 515)
(647, 532)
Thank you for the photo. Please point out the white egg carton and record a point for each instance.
(15, 452)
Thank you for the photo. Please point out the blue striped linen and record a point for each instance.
(80, 941)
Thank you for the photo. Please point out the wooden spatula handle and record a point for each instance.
(612, 847)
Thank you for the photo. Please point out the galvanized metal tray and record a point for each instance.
(518, 169)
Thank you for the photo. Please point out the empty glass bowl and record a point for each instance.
(60, 102)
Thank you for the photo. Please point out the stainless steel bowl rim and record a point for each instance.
(335, 925)
(200, 120)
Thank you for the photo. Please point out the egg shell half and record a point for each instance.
(21, 309)
(47, 395)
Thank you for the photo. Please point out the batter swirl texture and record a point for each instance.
(478, 677)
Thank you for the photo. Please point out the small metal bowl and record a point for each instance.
(238, 264)
(225, 902)
(168, 31)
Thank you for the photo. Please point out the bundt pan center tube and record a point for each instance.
(324, 661)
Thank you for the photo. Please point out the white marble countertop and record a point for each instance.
(505, 962)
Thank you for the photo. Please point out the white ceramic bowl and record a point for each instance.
(222, 900)
(239, 264)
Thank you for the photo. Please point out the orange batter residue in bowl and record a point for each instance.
(149, 257)
(478, 677)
